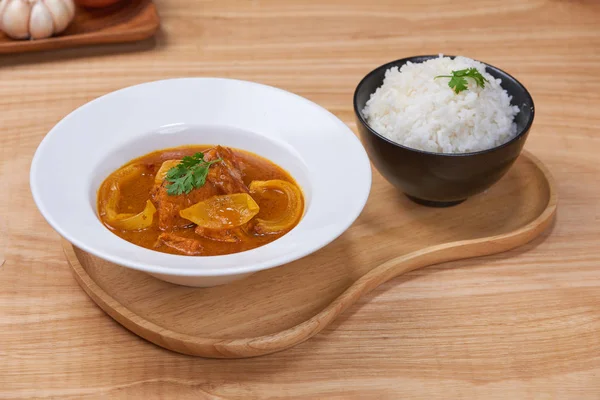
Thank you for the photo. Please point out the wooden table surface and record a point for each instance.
(521, 325)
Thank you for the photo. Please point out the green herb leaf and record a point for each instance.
(188, 175)
(458, 81)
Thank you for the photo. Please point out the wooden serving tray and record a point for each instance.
(275, 309)
(126, 21)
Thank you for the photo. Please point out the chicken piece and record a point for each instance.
(226, 175)
(223, 177)
(224, 235)
(187, 246)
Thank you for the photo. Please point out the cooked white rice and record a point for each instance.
(414, 109)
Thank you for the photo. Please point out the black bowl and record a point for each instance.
(441, 179)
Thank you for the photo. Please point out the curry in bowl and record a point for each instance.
(200, 201)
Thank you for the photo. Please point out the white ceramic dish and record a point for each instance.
(316, 148)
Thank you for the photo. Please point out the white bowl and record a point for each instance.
(315, 147)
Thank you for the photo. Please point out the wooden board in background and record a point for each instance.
(126, 21)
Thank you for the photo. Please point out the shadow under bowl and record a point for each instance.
(441, 179)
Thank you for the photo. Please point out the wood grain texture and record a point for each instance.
(276, 309)
(126, 21)
(518, 325)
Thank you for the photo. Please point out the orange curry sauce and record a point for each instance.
(134, 194)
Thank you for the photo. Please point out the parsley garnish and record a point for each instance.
(458, 81)
(188, 175)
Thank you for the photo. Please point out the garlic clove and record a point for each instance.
(15, 19)
(60, 14)
(3, 4)
(40, 22)
(70, 4)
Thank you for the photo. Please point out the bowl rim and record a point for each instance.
(427, 57)
(206, 272)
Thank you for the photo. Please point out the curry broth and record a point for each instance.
(135, 193)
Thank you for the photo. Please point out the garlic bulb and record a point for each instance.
(35, 19)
